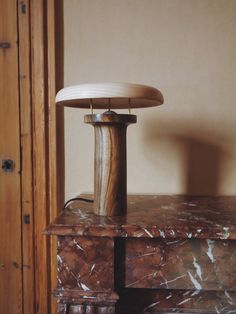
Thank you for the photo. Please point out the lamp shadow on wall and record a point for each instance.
(202, 159)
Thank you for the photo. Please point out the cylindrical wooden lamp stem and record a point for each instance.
(110, 188)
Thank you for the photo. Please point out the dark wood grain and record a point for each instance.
(154, 216)
(110, 188)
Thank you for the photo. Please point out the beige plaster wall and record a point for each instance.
(187, 49)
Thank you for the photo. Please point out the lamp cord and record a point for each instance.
(77, 199)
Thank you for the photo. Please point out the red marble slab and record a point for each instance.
(180, 264)
(86, 297)
(154, 216)
(85, 264)
(144, 301)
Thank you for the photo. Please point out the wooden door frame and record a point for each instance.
(40, 25)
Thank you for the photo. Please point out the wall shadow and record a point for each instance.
(202, 157)
(202, 167)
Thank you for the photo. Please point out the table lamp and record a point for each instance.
(110, 171)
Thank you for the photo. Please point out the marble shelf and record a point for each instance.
(165, 216)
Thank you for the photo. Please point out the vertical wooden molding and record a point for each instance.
(26, 162)
(59, 45)
(40, 156)
(45, 79)
(55, 124)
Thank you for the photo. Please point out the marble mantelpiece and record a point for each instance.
(169, 254)
(154, 216)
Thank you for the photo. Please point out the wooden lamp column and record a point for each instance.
(110, 188)
(110, 191)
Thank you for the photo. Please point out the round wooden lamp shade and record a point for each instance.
(110, 173)
(110, 95)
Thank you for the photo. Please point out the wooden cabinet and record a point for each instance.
(28, 182)
(10, 176)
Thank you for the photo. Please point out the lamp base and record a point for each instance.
(110, 171)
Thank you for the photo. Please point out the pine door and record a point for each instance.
(10, 172)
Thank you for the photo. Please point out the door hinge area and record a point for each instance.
(27, 219)
(20, 265)
(5, 45)
(7, 165)
(23, 7)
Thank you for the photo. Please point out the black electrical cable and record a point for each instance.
(77, 199)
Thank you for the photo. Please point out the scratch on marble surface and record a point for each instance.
(84, 287)
(169, 296)
(77, 245)
(79, 212)
(189, 203)
(92, 268)
(196, 284)
(146, 254)
(225, 234)
(189, 235)
(168, 281)
(186, 293)
(88, 297)
(166, 207)
(148, 232)
(162, 233)
(184, 301)
(197, 267)
(172, 242)
(148, 275)
(217, 311)
(172, 232)
(151, 305)
(138, 234)
(59, 259)
(230, 300)
(210, 244)
(195, 293)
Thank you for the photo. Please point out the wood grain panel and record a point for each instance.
(10, 189)
(52, 136)
(27, 167)
(40, 153)
(43, 58)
